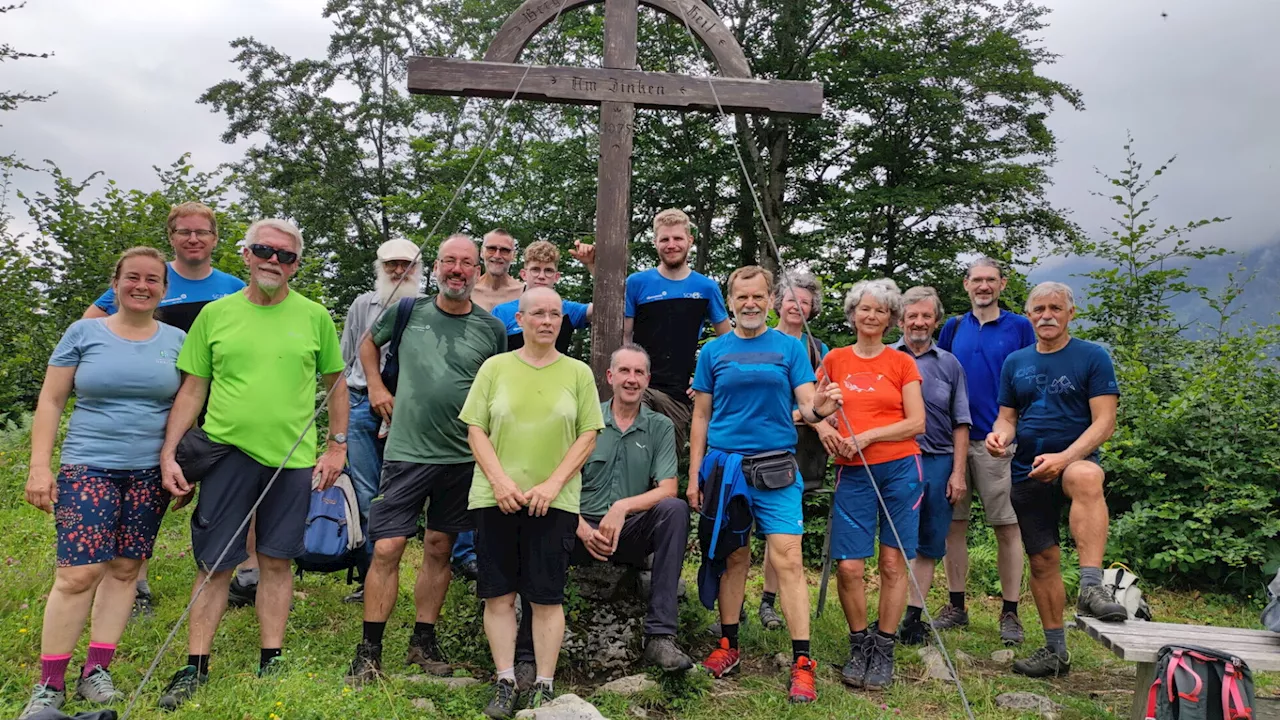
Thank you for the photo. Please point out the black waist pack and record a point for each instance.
(771, 470)
(197, 454)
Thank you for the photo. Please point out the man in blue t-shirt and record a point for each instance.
(981, 339)
(666, 308)
(542, 269)
(1058, 401)
(193, 283)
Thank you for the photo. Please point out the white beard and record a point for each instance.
(389, 291)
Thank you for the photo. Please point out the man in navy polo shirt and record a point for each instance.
(981, 339)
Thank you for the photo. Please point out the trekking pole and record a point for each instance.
(826, 559)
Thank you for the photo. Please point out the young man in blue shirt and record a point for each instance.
(1058, 402)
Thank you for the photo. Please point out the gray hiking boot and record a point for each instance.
(1044, 663)
(662, 650)
(503, 703)
(769, 617)
(879, 662)
(1095, 602)
(367, 665)
(184, 684)
(1011, 629)
(541, 695)
(425, 653)
(950, 617)
(854, 672)
(143, 605)
(526, 675)
(43, 697)
(97, 687)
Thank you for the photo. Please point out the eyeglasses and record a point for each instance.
(185, 233)
(464, 263)
(264, 252)
(498, 249)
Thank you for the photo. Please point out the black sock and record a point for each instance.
(883, 634)
(200, 662)
(957, 600)
(768, 598)
(799, 649)
(730, 633)
(913, 614)
(265, 655)
(1009, 607)
(424, 630)
(373, 632)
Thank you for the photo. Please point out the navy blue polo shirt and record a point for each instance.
(946, 398)
(981, 350)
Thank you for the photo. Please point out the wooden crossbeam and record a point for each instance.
(593, 86)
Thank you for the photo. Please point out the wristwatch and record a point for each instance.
(340, 438)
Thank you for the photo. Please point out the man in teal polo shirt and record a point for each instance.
(630, 507)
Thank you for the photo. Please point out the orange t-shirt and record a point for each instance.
(872, 392)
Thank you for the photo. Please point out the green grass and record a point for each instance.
(323, 633)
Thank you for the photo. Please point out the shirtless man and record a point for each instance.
(496, 286)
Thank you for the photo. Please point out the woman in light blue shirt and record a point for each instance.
(107, 500)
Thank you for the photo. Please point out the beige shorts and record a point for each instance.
(994, 480)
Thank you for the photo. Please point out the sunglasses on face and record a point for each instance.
(264, 252)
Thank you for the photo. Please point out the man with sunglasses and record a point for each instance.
(496, 286)
(193, 283)
(254, 355)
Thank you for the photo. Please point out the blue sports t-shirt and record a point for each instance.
(668, 316)
(184, 298)
(752, 383)
(1051, 393)
(981, 350)
(124, 389)
(575, 317)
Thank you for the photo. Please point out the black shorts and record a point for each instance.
(227, 494)
(405, 487)
(524, 554)
(1039, 507)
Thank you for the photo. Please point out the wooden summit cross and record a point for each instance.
(618, 88)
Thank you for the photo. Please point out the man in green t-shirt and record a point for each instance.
(629, 509)
(426, 460)
(254, 355)
(533, 415)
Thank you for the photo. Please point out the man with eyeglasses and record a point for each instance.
(397, 274)
(255, 356)
(427, 460)
(542, 269)
(193, 283)
(496, 286)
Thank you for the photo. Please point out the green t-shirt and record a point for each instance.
(532, 416)
(627, 464)
(262, 363)
(440, 355)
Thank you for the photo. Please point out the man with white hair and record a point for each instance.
(1058, 402)
(254, 355)
(496, 286)
(397, 274)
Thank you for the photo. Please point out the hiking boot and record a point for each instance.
(143, 605)
(357, 596)
(503, 703)
(662, 650)
(526, 675)
(539, 696)
(914, 632)
(722, 660)
(803, 688)
(879, 662)
(1044, 663)
(184, 684)
(468, 570)
(97, 687)
(43, 697)
(1010, 629)
(854, 672)
(244, 589)
(367, 665)
(1094, 602)
(273, 666)
(425, 653)
(769, 617)
(950, 617)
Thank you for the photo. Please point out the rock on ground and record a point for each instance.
(935, 666)
(565, 707)
(1027, 701)
(630, 685)
(424, 705)
(1002, 656)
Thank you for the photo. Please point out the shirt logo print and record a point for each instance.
(639, 446)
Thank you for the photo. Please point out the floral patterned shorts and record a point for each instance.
(102, 514)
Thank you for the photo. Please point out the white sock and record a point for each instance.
(508, 674)
(548, 681)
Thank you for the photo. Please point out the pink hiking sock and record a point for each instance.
(53, 671)
(99, 654)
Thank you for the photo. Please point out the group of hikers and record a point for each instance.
(500, 439)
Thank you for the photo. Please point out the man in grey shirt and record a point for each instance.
(397, 274)
(944, 445)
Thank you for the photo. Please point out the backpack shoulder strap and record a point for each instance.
(404, 309)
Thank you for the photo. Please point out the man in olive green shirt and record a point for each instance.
(629, 507)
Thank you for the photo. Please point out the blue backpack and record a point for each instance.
(327, 534)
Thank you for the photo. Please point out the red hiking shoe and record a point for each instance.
(722, 660)
(803, 689)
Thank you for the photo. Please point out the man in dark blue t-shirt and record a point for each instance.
(1058, 401)
(666, 308)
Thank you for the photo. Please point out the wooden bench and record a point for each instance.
(1139, 642)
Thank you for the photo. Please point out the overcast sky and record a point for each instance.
(1199, 81)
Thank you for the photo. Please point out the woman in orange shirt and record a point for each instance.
(882, 400)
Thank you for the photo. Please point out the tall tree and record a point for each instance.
(11, 99)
